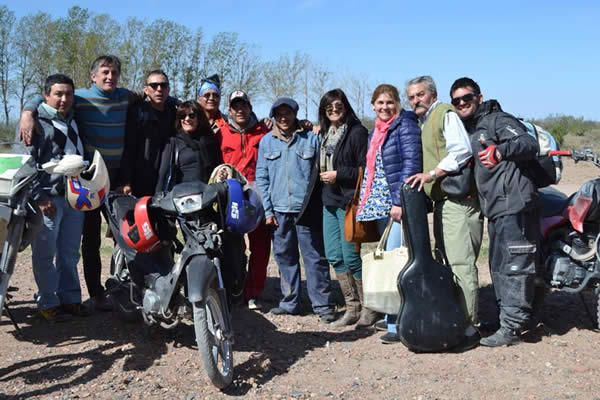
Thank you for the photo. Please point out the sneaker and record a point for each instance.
(55, 314)
(390, 338)
(281, 311)
(253, 305)
(102, 303)
(381, 325)
(76, 309)
(502, 337)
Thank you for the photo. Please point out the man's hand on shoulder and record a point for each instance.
(27, 127)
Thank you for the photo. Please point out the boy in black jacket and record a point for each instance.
(508, 198)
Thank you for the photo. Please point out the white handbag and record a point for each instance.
(380, 270)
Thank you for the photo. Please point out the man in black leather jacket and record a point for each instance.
(508, 198)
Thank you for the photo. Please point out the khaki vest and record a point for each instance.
(434, 146)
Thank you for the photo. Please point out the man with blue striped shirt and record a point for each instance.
(101, 114)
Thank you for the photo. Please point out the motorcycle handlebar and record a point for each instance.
(585, 154)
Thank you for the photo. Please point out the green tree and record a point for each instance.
(35, 40)
(194, 70)
(131, 51)
(284, 77)
(7, 22)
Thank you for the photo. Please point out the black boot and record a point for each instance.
(502, 337)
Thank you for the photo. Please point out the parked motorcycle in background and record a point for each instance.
(20, 217)
(146, 279)
(571, 235)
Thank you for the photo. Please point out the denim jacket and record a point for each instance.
(283, 169)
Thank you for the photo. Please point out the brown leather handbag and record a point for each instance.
(358, 231)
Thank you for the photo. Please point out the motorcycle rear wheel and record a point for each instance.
(216, 351)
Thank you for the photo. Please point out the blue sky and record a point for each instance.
(535, 57)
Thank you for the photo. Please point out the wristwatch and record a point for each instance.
(432, 174)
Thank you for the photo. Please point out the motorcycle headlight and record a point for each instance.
(189, 204)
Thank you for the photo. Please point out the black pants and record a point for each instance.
(90, 251)
(513, 257)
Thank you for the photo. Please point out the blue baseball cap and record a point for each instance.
(284, 101)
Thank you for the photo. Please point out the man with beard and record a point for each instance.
(509, 199)
(457, 222)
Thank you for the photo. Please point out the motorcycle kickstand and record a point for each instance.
(587, 309)
(12, 318)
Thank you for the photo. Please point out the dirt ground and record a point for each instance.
(285, 357)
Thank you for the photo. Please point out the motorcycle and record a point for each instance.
(145, 277)
(20, 218)
(571, 235)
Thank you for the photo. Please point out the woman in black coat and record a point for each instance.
(193, 153)
(343, 150)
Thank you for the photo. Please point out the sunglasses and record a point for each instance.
(334, 106)
(209, 95)
(155, 85)
(190, 116)
(467, 98)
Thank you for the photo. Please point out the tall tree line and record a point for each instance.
(37, 45)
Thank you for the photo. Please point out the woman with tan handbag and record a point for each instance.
(343, 150)
(394, 154)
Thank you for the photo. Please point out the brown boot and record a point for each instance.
(367, 317)
(350, 293)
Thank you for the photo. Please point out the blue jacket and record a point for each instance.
(401, 152)
(283, 170)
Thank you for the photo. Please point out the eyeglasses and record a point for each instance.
(334, 106)
(190, 116)
(209, 95)
(467, 98)
(155, 85)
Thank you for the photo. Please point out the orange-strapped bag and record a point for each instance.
(358, 231)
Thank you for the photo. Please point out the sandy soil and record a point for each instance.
(284, 357)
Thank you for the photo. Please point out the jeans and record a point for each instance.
(341, 254)
(394, 241)
(286, 239)
(55, 254)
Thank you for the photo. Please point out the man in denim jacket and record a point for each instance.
(286, 159)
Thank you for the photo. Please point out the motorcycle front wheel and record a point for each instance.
(216, 351)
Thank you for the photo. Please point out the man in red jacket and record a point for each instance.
(239, 145)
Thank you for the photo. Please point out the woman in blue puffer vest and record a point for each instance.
(394, 154)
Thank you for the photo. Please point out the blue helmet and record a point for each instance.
(244, 208)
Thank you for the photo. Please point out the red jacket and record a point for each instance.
(240, 149)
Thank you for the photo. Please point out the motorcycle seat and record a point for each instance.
(552, 201)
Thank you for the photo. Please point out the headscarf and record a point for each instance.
(212, 82)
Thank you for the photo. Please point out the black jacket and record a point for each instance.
(508, 188)
(349, 154)
(188, 165)
(147, 132)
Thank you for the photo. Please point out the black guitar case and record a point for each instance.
(430, 317)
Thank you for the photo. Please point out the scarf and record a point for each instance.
(379, 135)
(328, 146)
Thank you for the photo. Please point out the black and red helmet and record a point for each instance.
(138, 230)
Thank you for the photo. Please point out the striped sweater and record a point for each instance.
(101, 118)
